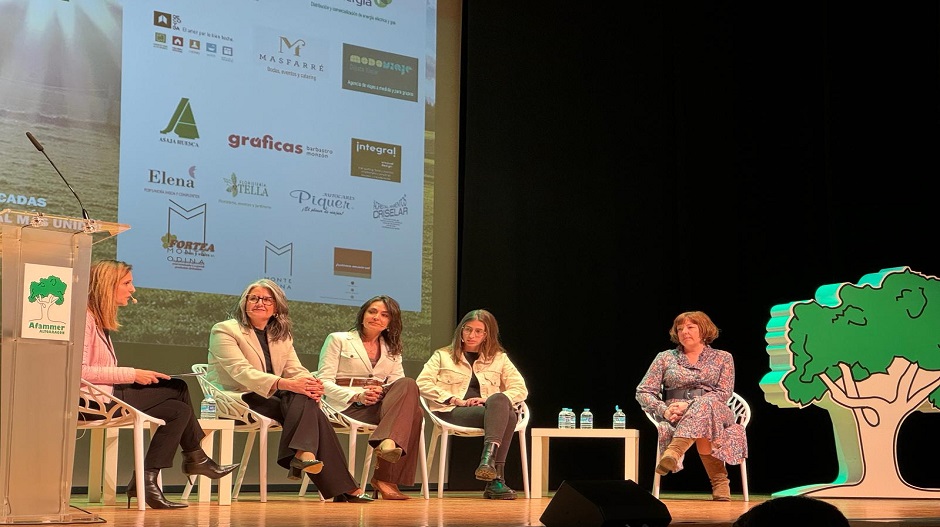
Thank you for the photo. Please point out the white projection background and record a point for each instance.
(239, 139)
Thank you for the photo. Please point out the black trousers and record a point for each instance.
(306, 428)
(497, 419)
(167, 400)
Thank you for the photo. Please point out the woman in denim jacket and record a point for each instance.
(472, 382)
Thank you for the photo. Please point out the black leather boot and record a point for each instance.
(197, 463)
(153, 495)
(487, 469)
(497, 489)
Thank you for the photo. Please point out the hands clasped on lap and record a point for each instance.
(370, 395)
(309, 386)
(675, 411)
(473, 401)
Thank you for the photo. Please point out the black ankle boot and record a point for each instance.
(197, 463)
(153, 496)
(497, 489)
(487, 469)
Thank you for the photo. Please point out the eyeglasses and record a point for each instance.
(266, 300)
(476, 332)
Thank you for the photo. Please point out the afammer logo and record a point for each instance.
(182, 123)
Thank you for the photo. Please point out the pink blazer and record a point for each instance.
(99, 362)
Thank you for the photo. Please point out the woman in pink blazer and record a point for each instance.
(112, 286)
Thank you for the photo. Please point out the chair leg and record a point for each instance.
(442, 464)
(111, 440)
(351, 454)
(744, 479)
(139, 466)
(95, 464)
(187, 489)
(435, 437)
(525, 463)
(246, 455)
(367, 466)
(425, 485)
(263, 464)
(304, 482)
(656, 476)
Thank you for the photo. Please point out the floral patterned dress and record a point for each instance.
(708, 415)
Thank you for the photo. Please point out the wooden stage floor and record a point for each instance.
(459, 509)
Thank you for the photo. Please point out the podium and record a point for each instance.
(44, 275)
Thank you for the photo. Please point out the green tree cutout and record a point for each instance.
(47, 292)
(870, 355)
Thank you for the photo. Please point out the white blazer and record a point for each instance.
(344, 356)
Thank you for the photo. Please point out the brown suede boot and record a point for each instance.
(673, 452)
(718, 475)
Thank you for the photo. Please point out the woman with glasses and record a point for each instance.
(363, 378)
(472, 382)
(111, 286)
(252, 355)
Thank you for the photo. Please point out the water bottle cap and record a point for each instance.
(617, 407)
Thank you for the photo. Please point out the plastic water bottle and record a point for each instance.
(570, 419)
(563, 418)
(620, 419)
(587, 419)
(207, 408)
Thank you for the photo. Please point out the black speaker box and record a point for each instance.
(604, 503)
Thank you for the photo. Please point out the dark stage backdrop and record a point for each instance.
(619, 169)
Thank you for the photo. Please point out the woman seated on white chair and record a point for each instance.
(687, 390)
(253, 356)
(363, 378)
(111, 286)
(471, 382)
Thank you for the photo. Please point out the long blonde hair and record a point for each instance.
(105, 276)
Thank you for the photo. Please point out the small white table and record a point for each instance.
(541, 436)
(226, 428)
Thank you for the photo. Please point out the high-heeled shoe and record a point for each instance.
(197, 463)
(389, 491)
(352, 498)
(388, 451)
(153, 495)
(310, 466)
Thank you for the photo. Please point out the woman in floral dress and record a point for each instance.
(687, 390)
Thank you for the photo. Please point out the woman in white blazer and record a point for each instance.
(362, 376)
(252, 355)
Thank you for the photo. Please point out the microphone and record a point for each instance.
(39, 147)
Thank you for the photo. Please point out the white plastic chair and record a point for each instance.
(742, 415)
(344, 424)
(443, 430)
(105, 414)
(246, 420)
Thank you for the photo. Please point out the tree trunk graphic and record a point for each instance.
(868, 354)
